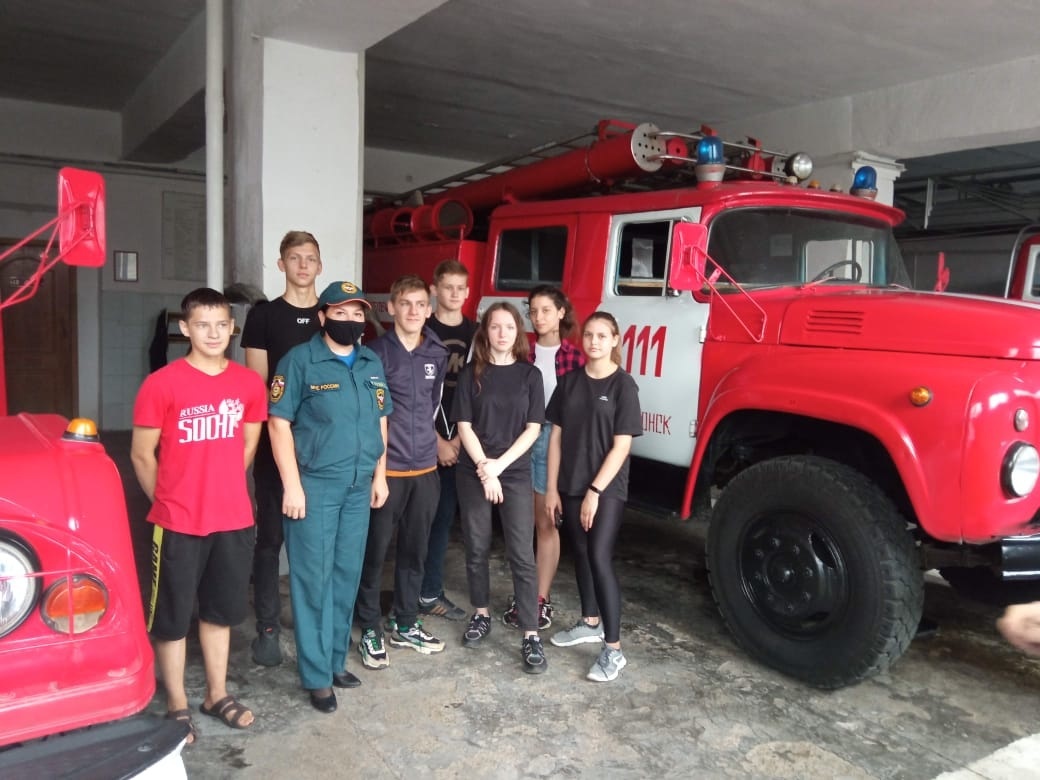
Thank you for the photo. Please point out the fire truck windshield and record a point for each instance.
(762, 247)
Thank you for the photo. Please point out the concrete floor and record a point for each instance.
(690, 703)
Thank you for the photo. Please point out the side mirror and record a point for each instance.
(689, 248)
(81, 217)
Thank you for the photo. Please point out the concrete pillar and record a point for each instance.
(296, 153)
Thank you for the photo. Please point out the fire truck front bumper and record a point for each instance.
(1020, 557)
(143, 747)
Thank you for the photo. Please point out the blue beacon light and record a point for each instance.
(711, 164)
(864, 183)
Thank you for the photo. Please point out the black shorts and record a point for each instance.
(215, 568)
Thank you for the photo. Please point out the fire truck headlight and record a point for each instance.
(74, 604)
(800, 166)
(19, 588)
(1021, 470)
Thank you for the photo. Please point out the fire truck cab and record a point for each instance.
(840, 432)
(76, 666)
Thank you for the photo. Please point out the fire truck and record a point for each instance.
(840, 432)
(1023, 280)
(76, 666)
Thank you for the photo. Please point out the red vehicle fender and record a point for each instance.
(948, 466)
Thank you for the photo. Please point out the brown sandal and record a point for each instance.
(229, 711)
(184, 716)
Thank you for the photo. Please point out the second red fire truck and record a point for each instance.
(841, 432)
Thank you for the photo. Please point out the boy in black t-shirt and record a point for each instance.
(271, 330)
(450, 288)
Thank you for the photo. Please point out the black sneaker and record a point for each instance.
(534, 655)
(478, 628)
(511, 617)
(545, 613)
(266, 650)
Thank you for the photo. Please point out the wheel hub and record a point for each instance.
(793, 573)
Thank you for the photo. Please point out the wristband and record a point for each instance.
(595, 489)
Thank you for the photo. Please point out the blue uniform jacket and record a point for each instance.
(334, 410)
(416, 381)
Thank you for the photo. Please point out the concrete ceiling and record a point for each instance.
(481, 79)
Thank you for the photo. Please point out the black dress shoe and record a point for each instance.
(324, 704)
(345, 680)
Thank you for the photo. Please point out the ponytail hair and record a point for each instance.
(560, 301)
(607, 317)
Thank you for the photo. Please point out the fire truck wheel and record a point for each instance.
(986, 586)
(813, 570)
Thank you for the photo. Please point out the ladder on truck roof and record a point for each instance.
(502, 165)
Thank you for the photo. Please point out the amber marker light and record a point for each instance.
(81, 429)
(76, 609)
(920, 396)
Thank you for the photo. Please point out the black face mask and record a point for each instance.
(343, 332)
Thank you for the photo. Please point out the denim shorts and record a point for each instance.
(540, 460)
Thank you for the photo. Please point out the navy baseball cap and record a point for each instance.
(342, 292)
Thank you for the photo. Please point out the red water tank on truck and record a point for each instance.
(74, 652)
(840, 432)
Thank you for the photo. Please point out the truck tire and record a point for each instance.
(813, 570)
(986, 586)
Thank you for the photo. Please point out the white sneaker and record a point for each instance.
(608, 666)
(580, 633)
(373, 652)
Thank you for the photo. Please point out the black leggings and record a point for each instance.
(593, 560)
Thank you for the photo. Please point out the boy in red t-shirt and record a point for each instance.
(203, 413)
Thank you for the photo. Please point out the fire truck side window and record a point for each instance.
(643, 258)
(530, 257)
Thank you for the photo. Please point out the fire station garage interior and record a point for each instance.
(218, 126)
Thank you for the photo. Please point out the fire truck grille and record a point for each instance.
(835, 321)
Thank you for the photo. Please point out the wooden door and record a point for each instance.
(40, 340)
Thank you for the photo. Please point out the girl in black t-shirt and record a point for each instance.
(499, 408)
(594, 413)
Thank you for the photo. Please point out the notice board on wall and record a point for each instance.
(184, 237)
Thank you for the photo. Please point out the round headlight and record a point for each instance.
(19, 589)
(1021, 469)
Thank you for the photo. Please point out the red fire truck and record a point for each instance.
(73, 648)
(841, 432)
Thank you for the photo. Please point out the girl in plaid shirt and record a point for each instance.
(552, 317)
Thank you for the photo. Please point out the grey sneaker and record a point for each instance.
(608, 666)
(417, 639)
(578, 634)
(441, 606)
(373, 652)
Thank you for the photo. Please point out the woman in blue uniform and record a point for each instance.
(327, 419)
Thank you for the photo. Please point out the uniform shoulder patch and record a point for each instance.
(277, 388)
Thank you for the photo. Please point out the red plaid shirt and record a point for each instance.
(568, 358)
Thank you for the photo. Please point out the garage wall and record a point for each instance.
(115, 320)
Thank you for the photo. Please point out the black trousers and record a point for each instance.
(593, 552)
(267, 601)
(409, 510)
(517, 515)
